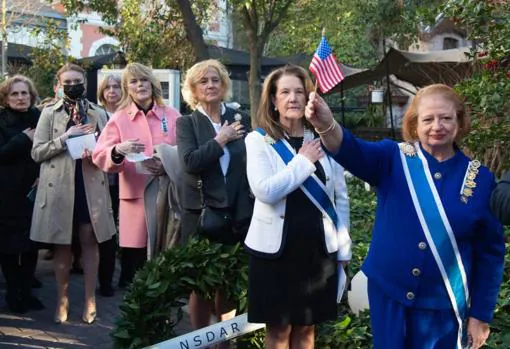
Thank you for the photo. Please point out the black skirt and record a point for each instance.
(299, 286)
(81, 208)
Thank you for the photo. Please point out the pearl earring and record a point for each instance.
(275, 109)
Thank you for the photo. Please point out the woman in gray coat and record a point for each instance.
(73, 194)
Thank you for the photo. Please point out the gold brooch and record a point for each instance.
(471, 176)
(469, 184)
(467, 192)
(408, 149)
(269, 140)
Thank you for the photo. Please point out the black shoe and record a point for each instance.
(16, 305)
(36, 283)
(18, 308)
(35, 304)
(76, 270)
(124, 283)
(106, 291)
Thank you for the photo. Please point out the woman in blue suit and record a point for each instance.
(436, 260)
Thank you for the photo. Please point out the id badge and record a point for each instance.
(164, 125)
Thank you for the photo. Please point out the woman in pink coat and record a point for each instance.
(141, 122)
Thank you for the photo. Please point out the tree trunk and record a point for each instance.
(256, 49)
(193, 31)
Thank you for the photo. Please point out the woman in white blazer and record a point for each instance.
(299, 231)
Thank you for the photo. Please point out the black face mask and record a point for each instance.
(74, 91)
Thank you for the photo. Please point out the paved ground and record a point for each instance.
(36, 329)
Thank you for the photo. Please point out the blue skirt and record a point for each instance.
(396, 326)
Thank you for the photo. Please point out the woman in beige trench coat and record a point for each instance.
(72, 194)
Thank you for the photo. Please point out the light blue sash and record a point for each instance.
(313, 188)
(437, 229)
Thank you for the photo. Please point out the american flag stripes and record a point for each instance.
(325, 68)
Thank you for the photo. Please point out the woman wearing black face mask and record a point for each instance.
(73, 196)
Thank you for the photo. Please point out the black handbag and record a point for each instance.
(215, 223)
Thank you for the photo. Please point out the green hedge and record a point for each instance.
(151, 308)
(350, 331)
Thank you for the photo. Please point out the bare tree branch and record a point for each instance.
(23, 12)
(249, 21)
(272, 24)
(193, 30)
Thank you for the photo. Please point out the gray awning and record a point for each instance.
(348, 71)
(417, 68)
(238, 62)
(18, 52)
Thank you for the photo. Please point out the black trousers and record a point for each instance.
(114, 195)
(131, 260)
(107, 249)
(106, 262)
(18, 270)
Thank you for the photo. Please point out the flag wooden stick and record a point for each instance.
(316, 80)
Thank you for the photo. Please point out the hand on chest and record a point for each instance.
(14, 130)
(149, 131)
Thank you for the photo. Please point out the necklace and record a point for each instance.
(307, 136)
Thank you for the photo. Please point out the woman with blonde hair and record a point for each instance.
(109, 93)
(211, 149)
(141, 122)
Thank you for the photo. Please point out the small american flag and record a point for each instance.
(325, 68)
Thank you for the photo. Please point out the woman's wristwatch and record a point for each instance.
(116, 156)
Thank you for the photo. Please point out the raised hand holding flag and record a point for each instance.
(324, 66)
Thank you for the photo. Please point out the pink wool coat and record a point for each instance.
(125, 124)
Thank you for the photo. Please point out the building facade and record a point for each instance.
(84, 30)
(443, 35)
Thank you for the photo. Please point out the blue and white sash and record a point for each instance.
(313, 187)
(437, 229)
